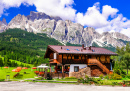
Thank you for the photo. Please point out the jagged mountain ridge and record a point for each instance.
(65, 31)
(3, 25)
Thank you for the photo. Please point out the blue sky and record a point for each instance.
(103, 15)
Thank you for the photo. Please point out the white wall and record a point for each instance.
(54, 56)
(80, 66)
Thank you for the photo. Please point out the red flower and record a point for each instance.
(124, 85)
(36, 72)
(41, 73)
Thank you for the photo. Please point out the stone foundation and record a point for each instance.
(82, 73)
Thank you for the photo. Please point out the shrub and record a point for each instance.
(123, 75)
(81, 80)
(128, 76)
(86, 77)
(116, 77)
(1, 80)
(108, 77)
(114, 83)
(89, 80)
(101, 76)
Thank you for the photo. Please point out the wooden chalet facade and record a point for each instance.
(73, 58)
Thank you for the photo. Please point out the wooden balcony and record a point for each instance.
(74, 61)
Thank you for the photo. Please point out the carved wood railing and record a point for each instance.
(72, 61)
(99, 64)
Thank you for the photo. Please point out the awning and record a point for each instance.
(42, 66)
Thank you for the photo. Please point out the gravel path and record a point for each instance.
(29, 86)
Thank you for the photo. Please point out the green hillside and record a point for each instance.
(13, 63)
(26, 47)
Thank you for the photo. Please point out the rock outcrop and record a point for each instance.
(81, 73)
(3, 25)
(64, 31)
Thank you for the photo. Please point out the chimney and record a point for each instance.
(83, 47)
(90, 48)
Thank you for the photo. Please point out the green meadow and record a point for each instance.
(8, 71)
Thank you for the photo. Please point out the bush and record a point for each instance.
(116, 77)
(123, 75)
(128, 76)
(89, 80)
(101, 76)
(1, 80)
(86, 77)
(81, 80)
(108, 77)
(114, 83)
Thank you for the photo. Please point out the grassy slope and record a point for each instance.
(8, 71)
(18, 62)
(25, 46)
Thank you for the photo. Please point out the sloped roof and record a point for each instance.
(79, 50)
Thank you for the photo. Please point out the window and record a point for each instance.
(77, 49)
(76, 57)
(76, 68)
(68, 49)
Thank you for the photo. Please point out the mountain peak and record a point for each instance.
(41, 15)
(64, 31)
(4, 21)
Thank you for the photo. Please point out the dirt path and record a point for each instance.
(29, 86)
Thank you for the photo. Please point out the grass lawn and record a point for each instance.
(66, 79)
(8, 71)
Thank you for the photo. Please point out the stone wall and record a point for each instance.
(82, 73)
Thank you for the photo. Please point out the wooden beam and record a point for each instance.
(50, 68)
(63, 71)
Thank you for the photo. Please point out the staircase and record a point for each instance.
(99, 64)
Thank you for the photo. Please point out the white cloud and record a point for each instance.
(109, 11)
(1, 9)
(101, 22)
(126, 32)
(92, 17)
(61, 8)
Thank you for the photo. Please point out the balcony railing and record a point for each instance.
(74, 61)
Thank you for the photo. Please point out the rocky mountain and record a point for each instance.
(3, 25)
(64, 31)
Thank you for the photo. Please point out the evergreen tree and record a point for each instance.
(123, 57)
(1, 62)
